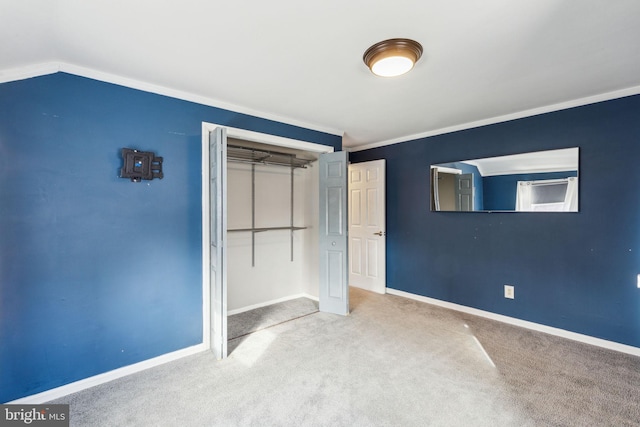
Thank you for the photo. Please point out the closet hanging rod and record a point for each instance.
(257, 230)
(266, 157)
(266, 162)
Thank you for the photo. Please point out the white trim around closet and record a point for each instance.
(245, 135)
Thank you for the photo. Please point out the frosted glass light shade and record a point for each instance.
(392, 66)
(392, 57)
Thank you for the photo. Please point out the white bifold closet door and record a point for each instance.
(334, 284)
(218, 224)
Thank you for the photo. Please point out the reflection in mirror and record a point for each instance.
(542, 181)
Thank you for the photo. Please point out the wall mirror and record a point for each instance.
(541, 181)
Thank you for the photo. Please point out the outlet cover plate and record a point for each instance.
(509, 291)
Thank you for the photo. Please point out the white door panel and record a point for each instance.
(373, 208)
(356, 255)
(355, 216)
(372, 258)
(367, 225)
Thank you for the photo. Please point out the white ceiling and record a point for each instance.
(301, 61)
(565, 159)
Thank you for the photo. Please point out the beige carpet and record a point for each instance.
(392, 362)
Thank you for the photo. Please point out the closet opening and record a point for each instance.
(272, 236)
(286, 201)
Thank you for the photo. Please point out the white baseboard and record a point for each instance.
(587, 339)
(275, 301)
(86, 383)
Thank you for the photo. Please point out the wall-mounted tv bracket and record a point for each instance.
(139, 165)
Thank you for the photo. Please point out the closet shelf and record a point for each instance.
(257, 230)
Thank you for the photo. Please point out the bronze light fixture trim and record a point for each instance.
(393, 57)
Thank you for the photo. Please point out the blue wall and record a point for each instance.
(500, 190)
(574, 271)
(97, 272)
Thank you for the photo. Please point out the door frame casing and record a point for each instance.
(245, 135)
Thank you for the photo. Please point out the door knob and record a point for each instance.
(379, 233)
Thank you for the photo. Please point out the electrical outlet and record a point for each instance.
(509, 291)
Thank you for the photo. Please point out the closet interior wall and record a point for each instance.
(274, 275)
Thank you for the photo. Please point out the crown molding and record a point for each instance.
(635, 90)
(38, 70)
(29, 71)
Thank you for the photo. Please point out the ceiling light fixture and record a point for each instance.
(393, 57)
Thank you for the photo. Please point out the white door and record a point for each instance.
(367, 229)
(218, 228)
(334, 285)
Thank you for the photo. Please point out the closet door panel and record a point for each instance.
(334, 286)
(218, 225)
